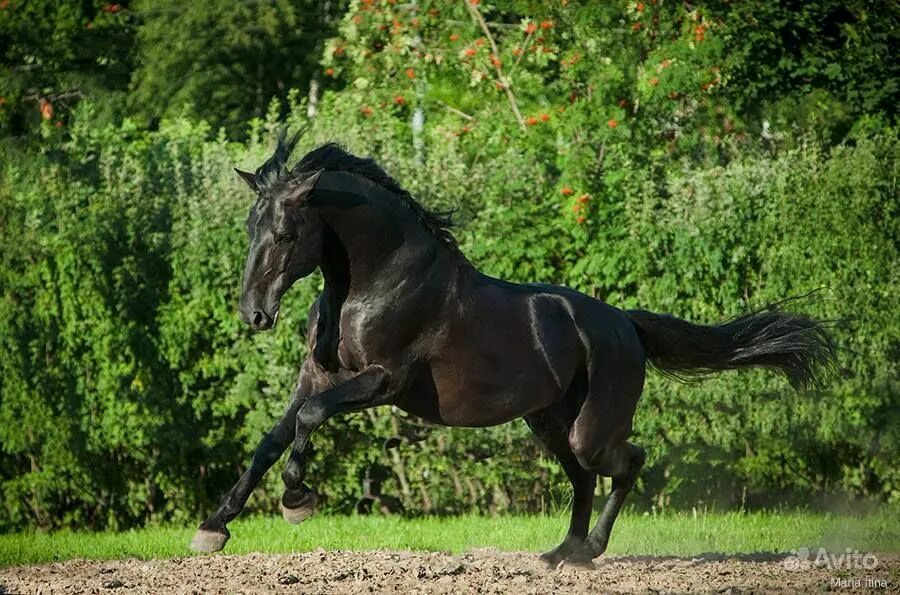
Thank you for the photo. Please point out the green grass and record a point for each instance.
(670, 534)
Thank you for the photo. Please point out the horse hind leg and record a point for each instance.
(598, 441)
(551, 429)
(624, 464)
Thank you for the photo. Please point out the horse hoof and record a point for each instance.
(580, 562)
(303, 511)
(555, 557)
(208, 542)
(582, 557)
(552, 559)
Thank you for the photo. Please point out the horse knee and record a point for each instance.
(311, 414)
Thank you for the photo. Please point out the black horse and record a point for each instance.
(406, 320)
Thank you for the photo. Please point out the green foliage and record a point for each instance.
(224, 61)
(795, 48)
(219, 61)
(641, 171)
(55, 52)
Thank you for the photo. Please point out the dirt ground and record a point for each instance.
(477, 571)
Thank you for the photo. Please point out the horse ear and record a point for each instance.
(249, 178)
(303, 188)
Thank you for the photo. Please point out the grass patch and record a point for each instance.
(670, 534)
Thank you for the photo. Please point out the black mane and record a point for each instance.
(275, 170)
(333, 157)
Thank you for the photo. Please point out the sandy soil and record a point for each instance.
(478, 571)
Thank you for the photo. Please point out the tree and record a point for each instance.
(224, 61)
(53, 53)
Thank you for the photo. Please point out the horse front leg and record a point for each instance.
(367, 389)
(213, 532)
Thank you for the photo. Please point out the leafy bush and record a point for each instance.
(131, 391)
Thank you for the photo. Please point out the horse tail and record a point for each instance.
(800, 347)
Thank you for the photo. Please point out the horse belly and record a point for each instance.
(507, 356)
(462, 393)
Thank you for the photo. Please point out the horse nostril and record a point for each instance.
(258, 318)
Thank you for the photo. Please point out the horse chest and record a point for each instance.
(346, 356)
(357, 343)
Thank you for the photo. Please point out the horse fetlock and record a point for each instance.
(292, 476)
(597, 545)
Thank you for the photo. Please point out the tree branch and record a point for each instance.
(476, 16)
(459, 113)
(54, 96)
(525, 46)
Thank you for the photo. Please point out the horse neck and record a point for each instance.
(372, 245)
(375, 243)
